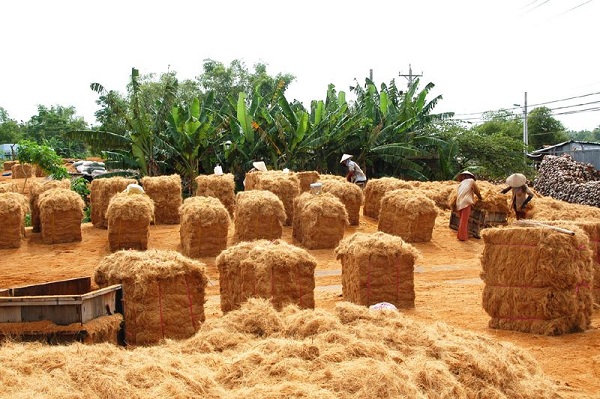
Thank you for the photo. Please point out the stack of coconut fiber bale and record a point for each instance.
(350, 194)
(306, 178)
(22, 170)
(101, 191)
(129, 217)
(165, 192)
(38, 188)
(259, 214)
(13, 208)
(286, 186)
(163, 293)
(204, 226)
(537, 279)
(376, 189)
(218, 186)
(408, 214)
(61, 211)
(319, 220)
(377, 268)
(272, 270)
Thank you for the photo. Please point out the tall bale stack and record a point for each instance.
(285, 185)
(408, 214)
(258, 214)
(101, 191)
(129, 217)
(350, 194)
(9, 164)
(8, 187)
(36, 189)
(251, 178)
(376, 268)
(274, 270)
(163, 293)
(306, 178)
(319, 220)
(22, 170)
(376, 189)
(218, 186)
(204, 226)
(537, 280)
(61, 211)
(13, 208)
(165, 192)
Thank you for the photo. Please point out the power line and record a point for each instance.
(571, 9)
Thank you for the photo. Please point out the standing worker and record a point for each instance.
(467, 190)
(355, 174)
(521, 194)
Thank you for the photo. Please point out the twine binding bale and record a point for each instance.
(273, 270)
(376, 189)
(218, 186)
(350, 194)
(204, 226)
(259, 214)
(165, 192)
(285, 185)
(101, 191)
(61, 211)
(163, 293)
(36, 189)
(306, 178)
(376, 268)
(129, 218)
(22, 170)
(13, 208)
(408, 214)
(319, 220)
(537, 280)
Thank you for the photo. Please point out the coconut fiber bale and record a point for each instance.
(9, 164)
(163, 293)
(61, 211)
(306, 178)
(101, 191)
(440, 192)
(258, 214)
(22, 170)
(376, 268)
(8, 187)
(376, 189)
(537, 279)
(273, 270)
(319, 221)
(204, 226)
(218, 186)
(285, 185)
(13, 208)
(350, 194)
(548, 208)
(37, 188)
(408, 214)
(129, 217)
(165, 192)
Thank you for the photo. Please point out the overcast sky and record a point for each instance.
(481, 54)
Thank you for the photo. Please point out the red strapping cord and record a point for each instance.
(187, 288)
(162, 324)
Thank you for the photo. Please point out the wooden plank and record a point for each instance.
(4, 292)
(74, 286)
(10, 314)
(60, 315)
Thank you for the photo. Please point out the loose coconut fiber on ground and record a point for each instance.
(377, 267)
(408, 214)
(350, 194)
(285, 185)
(204, 227)
(163, 293)
(129, 217)
(306, 178)
(319, 220)
(165, 192)
(101, 191)
(537, 280)
(257, 352)
(258, 214)
(273, 270)
(35, 190)
(61, 212)
(376, 189)
(218, 186)
(13, 208)
(548, 208)
(21, 171)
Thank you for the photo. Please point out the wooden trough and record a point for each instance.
(479, 220)
(59, 303)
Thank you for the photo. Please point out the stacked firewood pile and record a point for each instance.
(563, 178)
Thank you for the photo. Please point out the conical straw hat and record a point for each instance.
(516, 180)
(344, 157)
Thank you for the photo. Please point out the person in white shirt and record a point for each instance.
(355, 174)
(467, 190)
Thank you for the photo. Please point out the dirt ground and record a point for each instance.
(447, 285)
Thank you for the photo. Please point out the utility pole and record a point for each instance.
(410, 77)
(525, 132)
(371, 75)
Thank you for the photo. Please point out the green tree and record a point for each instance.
(10, 130)
(543, 129)
(501, 122)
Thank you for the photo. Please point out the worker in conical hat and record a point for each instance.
(467, 190)
(521, 194)
(355, 173)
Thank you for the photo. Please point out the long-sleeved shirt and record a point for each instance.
(467, 189)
